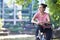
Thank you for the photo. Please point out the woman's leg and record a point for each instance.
(37, 31)
(39, 28)
(48, 34)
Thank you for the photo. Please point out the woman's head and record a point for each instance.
(42, 7)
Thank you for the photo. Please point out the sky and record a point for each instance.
(41, 1)
(5, 0)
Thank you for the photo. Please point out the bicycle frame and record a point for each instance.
(41, 36)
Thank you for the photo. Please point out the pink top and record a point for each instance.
(41, 18)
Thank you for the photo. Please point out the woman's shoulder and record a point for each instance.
(47, 13)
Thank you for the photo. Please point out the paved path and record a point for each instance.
(16, 36)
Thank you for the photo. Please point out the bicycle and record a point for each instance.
(41, 35)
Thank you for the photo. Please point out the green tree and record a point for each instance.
(54, 8)
(25, 3)
(35, 5)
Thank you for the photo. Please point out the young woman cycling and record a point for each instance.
(42, 20)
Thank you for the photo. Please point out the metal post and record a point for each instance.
(14, 13)
(3, 10)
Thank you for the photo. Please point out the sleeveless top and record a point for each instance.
(42, 18)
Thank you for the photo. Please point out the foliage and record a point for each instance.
(54, 8)
(15, 28)
(25, 3)
(35, 5)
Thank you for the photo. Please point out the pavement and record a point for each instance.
(16, 36)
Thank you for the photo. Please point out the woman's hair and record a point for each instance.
(44, 5)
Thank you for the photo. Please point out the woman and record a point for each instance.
(42, 20)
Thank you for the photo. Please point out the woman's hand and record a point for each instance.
(41, 23)
(37, 23)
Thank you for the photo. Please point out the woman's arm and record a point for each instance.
(48, 19)
(34, 18)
